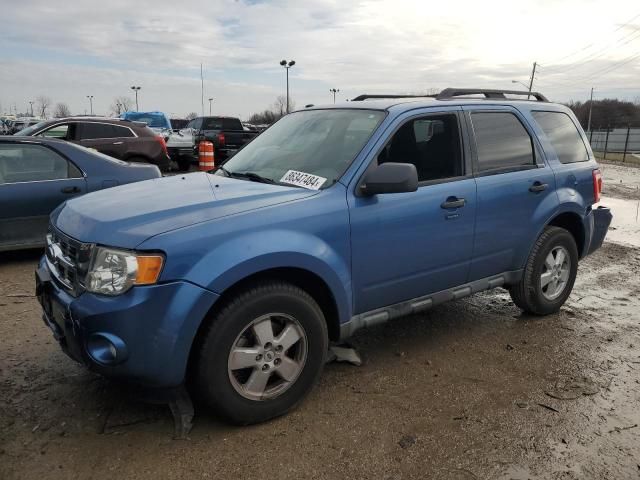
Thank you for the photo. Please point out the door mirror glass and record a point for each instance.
(390, 178)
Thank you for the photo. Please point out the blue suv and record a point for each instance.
(233, 282)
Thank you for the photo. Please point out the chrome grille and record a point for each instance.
(68, 260)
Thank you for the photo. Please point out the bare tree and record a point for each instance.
(43, 103)
(280, 105)
(191, 116)
(121, 104)
(61, 110)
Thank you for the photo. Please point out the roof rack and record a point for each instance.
(448, 93)
(360, 98)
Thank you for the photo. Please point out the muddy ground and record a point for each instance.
(472, 389)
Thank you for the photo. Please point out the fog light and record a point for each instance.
(106, 349)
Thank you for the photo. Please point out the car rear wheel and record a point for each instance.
(262, 353)
(549, 275)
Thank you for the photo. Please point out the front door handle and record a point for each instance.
(538, 187)
(453, 202)
(70, 190)
(118, 143)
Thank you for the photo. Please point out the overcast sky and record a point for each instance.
(68, 50)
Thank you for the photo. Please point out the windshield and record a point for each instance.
(310, 149)
(151, 119)
(29, 130)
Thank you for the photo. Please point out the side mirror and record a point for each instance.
(390, 178)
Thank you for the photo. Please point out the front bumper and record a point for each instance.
(143, 336)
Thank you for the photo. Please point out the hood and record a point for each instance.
(127, 215)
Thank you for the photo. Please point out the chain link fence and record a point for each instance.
(620, 144)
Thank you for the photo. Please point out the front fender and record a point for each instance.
(251, 253)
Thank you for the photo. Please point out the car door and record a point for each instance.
(101, 137)
(405, 245)
(516, 189)
(34, 180)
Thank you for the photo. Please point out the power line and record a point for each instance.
(592, 44)
(597, 54)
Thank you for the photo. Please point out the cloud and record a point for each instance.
(372, 46)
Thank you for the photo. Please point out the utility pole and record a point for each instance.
(533, 75)
(590, 108)
(334, 91)
(210, 100)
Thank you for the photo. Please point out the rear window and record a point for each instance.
(219, 123)
(502, 142)
(563, 136)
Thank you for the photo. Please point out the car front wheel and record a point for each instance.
(262, 353)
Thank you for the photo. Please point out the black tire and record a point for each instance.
(212, 375)
(528, 294)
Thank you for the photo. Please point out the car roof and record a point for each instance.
(108, 120)
(399, 103)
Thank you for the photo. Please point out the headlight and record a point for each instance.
(113, 272)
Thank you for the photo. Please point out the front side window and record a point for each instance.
(32, 163)
(502, 143)
(59, 131)
(431, 143)
(563, 135)
(314, 146)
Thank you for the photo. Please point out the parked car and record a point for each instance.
(38, 174)
(21, 124)
(181, 148)
(123, 139)
(334, 219)
(226, 133)
(156, 121)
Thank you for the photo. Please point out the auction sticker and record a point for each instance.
(305, 180)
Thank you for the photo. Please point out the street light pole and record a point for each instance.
(287, 66)
(334, 91)
(136, 89)
(210, 100)
(90, 97)
(31, 103)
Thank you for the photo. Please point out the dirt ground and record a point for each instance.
(472, 389)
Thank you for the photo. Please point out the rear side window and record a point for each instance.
(91, 131)
(121, 131)
(502, 143)
(563, 135)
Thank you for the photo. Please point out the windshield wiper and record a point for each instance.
(254, 177)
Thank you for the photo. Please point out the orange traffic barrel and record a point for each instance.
(206, 160)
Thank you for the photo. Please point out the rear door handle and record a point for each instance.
(538, 187)
(70, 190)
(453, 202)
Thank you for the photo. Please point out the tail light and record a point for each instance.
(163, 144)
(597, 185)
(221, 140)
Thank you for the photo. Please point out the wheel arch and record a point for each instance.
(573, 223)
(308, 281)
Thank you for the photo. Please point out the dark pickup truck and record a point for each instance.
(226, 133)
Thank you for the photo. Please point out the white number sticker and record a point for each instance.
(305, 180)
